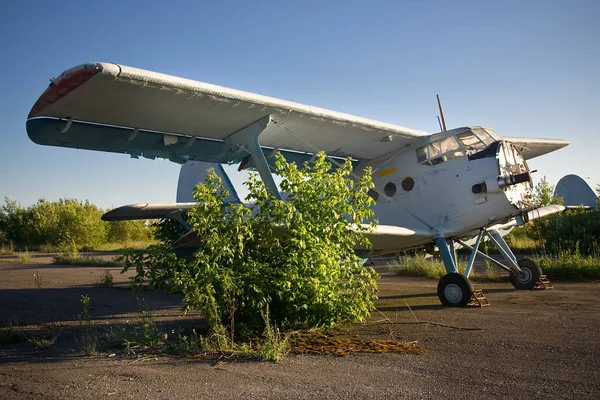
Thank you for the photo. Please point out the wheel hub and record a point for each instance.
(524, 276)
(453, 293)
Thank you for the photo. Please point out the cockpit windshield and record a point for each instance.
(476, 139)
(465, 141)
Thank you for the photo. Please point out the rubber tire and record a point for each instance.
(532, 270)
(463, 283)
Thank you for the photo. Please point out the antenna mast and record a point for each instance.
(443, 126)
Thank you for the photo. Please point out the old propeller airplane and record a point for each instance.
(430, 190)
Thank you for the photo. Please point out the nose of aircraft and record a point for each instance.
(514, 176)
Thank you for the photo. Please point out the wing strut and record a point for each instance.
(247, 139)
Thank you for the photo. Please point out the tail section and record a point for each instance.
(193, 172)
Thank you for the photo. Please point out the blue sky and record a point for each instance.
(525, 68)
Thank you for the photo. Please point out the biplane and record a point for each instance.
(455, 187)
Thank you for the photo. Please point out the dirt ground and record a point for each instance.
(530, 344)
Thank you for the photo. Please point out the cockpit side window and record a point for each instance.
(439, 151)
(422, 154)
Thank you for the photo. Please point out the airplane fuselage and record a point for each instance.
(463, 182)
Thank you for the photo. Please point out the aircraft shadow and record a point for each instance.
(56, 305)
(499, 290)
(56, 311)
(407, 296)
(414, 308)
(34, 267)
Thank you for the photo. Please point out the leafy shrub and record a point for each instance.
(67, 224)
(167, 231)
(127, 231)
(571, 265)
(295, 257)
(559, 232)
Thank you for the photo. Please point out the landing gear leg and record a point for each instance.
(454, 289)
(524, 273)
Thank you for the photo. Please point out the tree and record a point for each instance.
(294, 258)
(125, 231)
(543, 194)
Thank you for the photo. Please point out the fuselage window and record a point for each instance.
(390, 189)
(408, 184)
(373, 193)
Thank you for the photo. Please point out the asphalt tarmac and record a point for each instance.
(527, 344)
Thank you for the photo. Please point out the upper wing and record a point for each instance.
(116, 96)
(533, 147)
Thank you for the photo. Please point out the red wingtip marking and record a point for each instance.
(63, 85)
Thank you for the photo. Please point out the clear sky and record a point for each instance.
(525, 68)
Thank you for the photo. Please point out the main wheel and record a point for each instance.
(529, 277)
(454, 290)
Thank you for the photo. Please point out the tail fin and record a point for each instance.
(193, 172)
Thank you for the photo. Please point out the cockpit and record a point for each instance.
(454, 143)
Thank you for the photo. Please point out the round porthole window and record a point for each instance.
(373, 194)
(390, 189)
(408, 184)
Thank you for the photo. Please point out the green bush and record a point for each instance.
(559, 232)
(571, 265)
(127, 231)
(66, 224)
(167, 230)
(295, 257)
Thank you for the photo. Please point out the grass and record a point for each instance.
(89, 338)
(9, 335)
(38, 280)
(523, 244)
(114, 246)
(7, 249)
(433, 268)
(42, 340)
(25, 257)
(420, 266)
(274, 345)
(106, 280)
(215, 343)
(74, 258)
(570, 265)
(134, 245)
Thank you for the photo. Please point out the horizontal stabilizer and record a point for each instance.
(531, 215)
(387, 239)
(145, 211)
